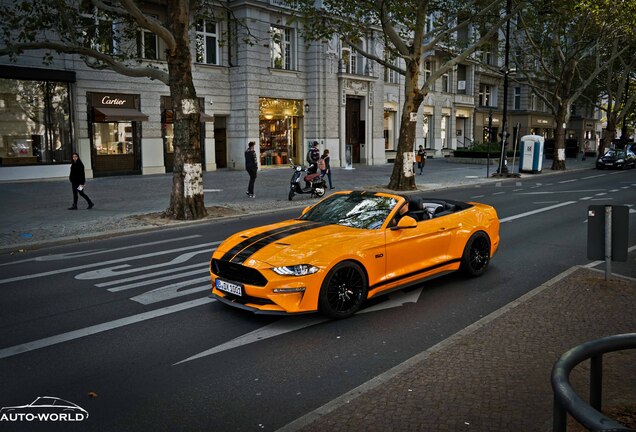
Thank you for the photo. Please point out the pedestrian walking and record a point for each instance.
(421, 159)
(77, 177)
(251, 166)
(325, 167)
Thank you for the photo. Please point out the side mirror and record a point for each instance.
(405, 222)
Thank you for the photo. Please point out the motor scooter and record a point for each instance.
(317, 184)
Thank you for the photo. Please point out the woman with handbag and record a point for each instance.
(78, 180)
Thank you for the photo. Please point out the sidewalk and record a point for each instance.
(34, 213)
(495, 374)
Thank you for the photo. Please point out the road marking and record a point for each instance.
(277, 328)
(593, 176)
(102, 263)
(568, 181)
(147, 275)
(477, 196)
(557, 192)
(498, 193)
(118, 270)
(212, 190)
(169, 292)
(541, 210)
(290, 324)
(99, 328)
(157, 280)
(73, 255)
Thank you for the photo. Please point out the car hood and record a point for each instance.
(289, 243)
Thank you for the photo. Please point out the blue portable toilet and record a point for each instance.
(531, 155)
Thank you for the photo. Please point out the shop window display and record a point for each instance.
(35, 126)
(279, 127)
(113, 138)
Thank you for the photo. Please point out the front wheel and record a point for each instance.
(343, 291)
(291, 193)
(476, 256)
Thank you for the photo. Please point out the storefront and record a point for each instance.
(115, 125)
(36, 124)
(280, 131)
(167, 131)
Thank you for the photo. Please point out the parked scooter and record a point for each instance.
(317, 184)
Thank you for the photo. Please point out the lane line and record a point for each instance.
(541, 210)
(73, 255)
(99, 328)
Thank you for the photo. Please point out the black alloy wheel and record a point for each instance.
(343, 291)
(476, 255)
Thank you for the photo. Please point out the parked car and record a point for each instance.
(618, 159)
(350, 247)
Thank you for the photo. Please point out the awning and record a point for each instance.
(119, 114)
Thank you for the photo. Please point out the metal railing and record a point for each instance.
(565, 398)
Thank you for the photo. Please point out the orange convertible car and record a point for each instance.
(350, 247)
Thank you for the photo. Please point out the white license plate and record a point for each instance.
(229, 287)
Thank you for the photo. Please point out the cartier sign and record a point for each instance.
(113, 100)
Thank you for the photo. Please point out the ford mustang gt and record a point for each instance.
(350, 247)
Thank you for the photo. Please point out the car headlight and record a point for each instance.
(620, 161)
(296, 270)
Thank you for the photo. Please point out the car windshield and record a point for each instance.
(356, 210)
(614, 153)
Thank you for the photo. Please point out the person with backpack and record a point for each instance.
(324, 167)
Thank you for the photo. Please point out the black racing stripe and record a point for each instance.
(415, 273)
(245, 243)
(258, 245)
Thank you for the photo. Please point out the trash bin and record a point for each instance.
(531, 157)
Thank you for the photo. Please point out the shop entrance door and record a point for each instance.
(115, 149)
(352, 128)
(220, 143)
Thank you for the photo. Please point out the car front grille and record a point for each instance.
(237, 273)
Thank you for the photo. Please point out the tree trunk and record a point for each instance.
(402, 177)
(558, 160)
(186, 200)
(610, 133)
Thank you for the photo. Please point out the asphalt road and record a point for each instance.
(128, 319)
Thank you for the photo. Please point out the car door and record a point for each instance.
(414, 251)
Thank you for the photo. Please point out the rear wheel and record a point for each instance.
(476, 255)
(343, 291)
(319, 192)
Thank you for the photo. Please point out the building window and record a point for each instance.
(391, 76)
(445, 83)
(352, 61)
(533, 102)
(517, 98)
(443, 132)
(428, 70)
(485, 95)
(282, 48)
(36, 122)
(207, 42)
(148, 45)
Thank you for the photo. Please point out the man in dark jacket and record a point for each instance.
(251, 166)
